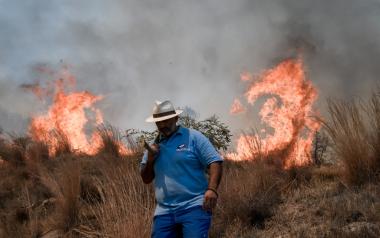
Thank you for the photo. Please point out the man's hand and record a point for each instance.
(210, 200)
(147, 172)
(153, 151)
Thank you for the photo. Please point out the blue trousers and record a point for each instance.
(190, 223)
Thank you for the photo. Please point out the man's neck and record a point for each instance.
(170, 135)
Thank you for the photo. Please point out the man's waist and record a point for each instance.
(166, 207)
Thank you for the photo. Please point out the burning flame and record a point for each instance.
(246, 76)
(288, 112)
(237, 107)
(68, 116)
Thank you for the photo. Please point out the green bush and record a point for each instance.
(216, 131)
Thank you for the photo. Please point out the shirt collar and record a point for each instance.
(179, 130)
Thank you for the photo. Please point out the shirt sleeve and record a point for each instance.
(205, 150)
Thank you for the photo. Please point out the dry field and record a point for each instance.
(74, 195)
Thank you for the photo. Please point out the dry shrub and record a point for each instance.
(71, 195)
(13, 152)
(355, 131)
(38, 152)
(373, 111)
(353, 206)
(297, 176)
(63, 181)
(236, 229)
(355, 213)
(326, 172)
(68, 199)
(74, 195)
(249, 193)
(111, 140)
(21, 192)
(90, 193)
(62, 143)
(325, 207)
(128, 205)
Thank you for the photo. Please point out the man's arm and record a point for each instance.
(147, 171)
(215, 171)
(209, 157)
(211, 194)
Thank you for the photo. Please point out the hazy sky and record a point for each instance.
(191, 52)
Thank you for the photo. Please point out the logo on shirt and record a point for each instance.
(182, 147)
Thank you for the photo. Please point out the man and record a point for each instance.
(177, 162)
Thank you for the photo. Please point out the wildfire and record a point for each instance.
(288, 112)
(237, 107)
(68, 116)
(246, 76)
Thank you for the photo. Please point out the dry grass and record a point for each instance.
(63, 145)
(355, 131)
(103, 196)
(128, 205)
(325, 207)
(75, 195)
(111, 138)
(249, 195)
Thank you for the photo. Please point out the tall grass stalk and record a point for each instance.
(354, 128)
(128, 205)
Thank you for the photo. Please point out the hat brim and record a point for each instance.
(156, 119)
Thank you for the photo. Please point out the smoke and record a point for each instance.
(192, 52)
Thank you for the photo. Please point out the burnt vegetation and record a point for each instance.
(69, 194)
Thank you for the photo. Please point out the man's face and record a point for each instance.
(167, 127)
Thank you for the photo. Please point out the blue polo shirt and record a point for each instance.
(180, 170)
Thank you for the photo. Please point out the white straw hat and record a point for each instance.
(163, 111)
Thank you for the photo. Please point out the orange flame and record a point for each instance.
(288, 112)
(68, 116)
(246, 76)
(237, 107)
